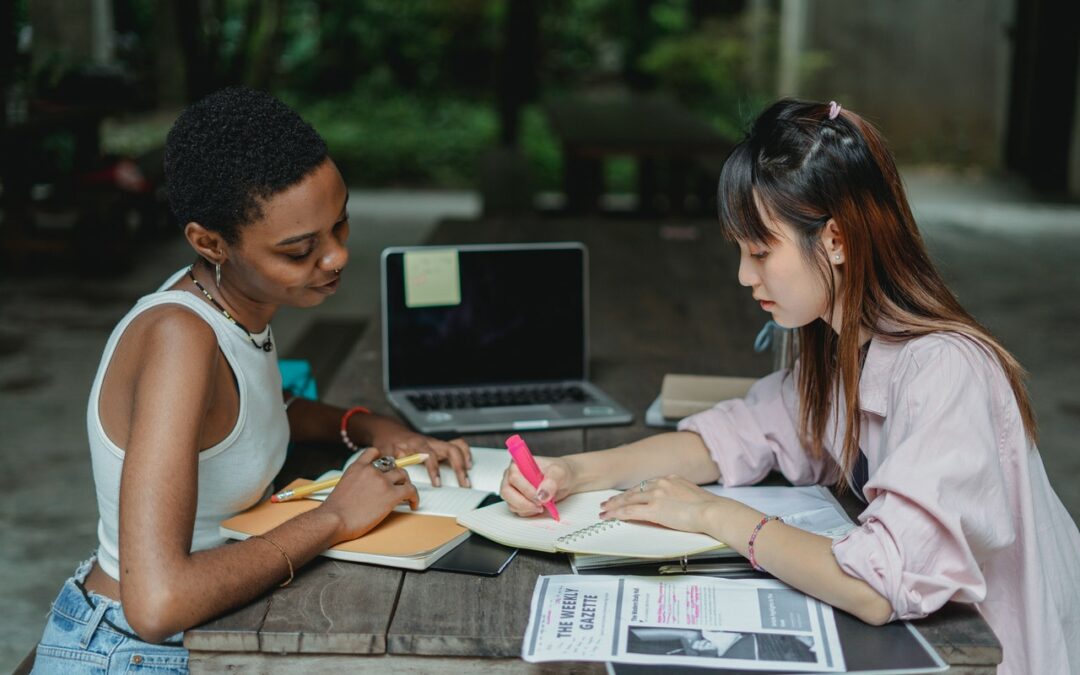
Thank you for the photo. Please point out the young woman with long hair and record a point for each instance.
(897, 392)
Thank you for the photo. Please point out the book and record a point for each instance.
(580, 530)
(407, 540)
(684, 395)
(809, 507)
(450, 499)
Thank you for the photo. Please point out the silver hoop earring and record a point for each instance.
(217, 274)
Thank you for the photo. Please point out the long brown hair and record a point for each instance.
(805, 169)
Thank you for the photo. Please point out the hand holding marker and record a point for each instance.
(527, 465)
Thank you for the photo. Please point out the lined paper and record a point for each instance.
(579, 515)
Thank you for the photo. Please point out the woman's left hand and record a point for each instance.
(394, 439)
(672, 502)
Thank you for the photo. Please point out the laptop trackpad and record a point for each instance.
(519, 412)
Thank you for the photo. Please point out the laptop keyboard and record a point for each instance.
(499, 396)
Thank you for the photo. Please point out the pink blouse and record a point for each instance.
(960, 507)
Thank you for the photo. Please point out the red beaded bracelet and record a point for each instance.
(345, 423)
(753, 536)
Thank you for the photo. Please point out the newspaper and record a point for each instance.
(752, 624)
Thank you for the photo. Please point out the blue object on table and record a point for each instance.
(296, 377)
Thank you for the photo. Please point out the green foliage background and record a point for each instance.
(405, 90)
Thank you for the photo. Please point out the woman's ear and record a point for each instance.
(833, 241)
(207, 243)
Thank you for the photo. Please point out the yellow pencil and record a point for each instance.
(312, 488)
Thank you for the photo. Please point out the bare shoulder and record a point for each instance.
(170, 338)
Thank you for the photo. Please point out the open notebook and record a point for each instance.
(405, 540)
(448, 500)
(581, 531)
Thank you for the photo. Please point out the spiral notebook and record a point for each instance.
(580, 530)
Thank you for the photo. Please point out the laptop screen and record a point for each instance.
(479, 315)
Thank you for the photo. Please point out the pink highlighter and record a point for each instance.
(527, 465)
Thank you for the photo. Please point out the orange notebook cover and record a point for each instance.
(408, 540)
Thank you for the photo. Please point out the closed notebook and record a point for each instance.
(407, 540)
(580, 530)
(684, 395)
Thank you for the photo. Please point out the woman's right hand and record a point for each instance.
(526, 500)
(365, 496)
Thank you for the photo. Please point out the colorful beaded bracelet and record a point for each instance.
(345, 424)
(753, 536)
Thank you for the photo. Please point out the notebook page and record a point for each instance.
(445, 501)
(441, 501)
(486, 472)
(498, 523)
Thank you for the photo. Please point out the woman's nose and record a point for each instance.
(747, 276)
(336, 258)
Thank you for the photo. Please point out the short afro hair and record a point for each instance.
(231, 151)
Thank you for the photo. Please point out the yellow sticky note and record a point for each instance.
(432, 278)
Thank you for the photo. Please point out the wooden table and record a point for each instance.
(657, 132)
(658, 305)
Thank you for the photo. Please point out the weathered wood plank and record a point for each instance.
(332, 607)
(460, 615)
(961, 635)
(237, 631)
(325, 664)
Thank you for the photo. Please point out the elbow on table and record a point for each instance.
(153, 616)
(874, 610)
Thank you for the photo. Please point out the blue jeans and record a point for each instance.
(87, 633)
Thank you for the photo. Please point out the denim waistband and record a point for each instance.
(78, 604)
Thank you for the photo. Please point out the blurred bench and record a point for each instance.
(663, 137)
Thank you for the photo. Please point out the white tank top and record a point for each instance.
(234, 474)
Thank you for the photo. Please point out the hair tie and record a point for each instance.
(834, 110)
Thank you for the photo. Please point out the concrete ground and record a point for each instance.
(1010, 259)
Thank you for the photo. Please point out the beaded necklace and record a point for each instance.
(267, 344)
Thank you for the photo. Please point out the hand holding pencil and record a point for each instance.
(365, 495)
(383, 464)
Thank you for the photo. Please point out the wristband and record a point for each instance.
(345, 423)
(753, 536)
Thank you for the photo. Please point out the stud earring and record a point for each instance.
(217, 274)
(337, 270)
(836, 257)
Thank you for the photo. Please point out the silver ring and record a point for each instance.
(641, 485)
(384, 464)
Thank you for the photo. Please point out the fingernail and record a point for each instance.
(542, 496)
(437, 482)
(468, 483)
(603, 515)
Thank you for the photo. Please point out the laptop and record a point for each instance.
(494, 337)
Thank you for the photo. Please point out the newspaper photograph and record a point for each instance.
(752, 624)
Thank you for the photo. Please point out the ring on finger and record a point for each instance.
(642, 485)
(384, 464)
